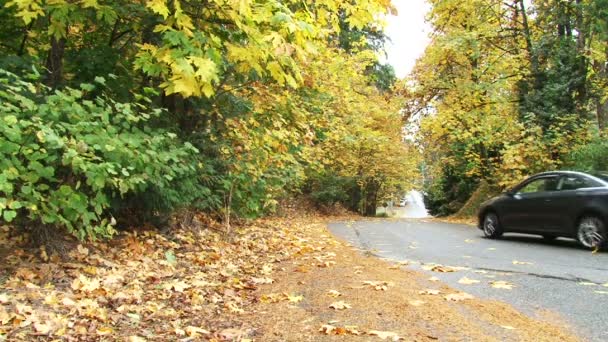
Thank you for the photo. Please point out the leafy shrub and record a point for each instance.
(330, 189)
(65, 157)
(589, 157)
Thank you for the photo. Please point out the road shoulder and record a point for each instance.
(374, 296)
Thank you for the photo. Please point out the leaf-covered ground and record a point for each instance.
(273, 280)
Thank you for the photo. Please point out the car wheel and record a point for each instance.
(548, 237)
(591, 232)
(491, 226)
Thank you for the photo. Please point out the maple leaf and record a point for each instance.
(341, 305)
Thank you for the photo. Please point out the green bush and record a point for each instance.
(589, 157)
(329, 189)
(66, 156)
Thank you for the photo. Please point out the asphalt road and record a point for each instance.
(558, 276)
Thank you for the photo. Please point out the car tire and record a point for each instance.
(591, 232)
(491, 225)
(548, 237)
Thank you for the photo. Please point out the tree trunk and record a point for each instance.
(54, 63)
(371, 199)
(534, 63)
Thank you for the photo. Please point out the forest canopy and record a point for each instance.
(121, 113)
(506, 89)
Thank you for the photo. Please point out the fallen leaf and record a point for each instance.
(135, 338)
(195, 331)
(456, 297)
(295, 298)
(433, 279)
(515, 262)
(441, 269)
(467, 281)
(501, 284)
(333, 293)
(262, 280)
(178, 286)
(329, 329)
(469, 241)
(339, 305)
(378, 285)
(43, 328)
(429, 292)
(508, 327)
(103, 331)
(353, 330)
(384, 335)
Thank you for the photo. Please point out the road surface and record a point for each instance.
(558, 276)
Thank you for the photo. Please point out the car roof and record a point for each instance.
(566, 172)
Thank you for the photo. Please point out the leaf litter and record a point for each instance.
(243, 288)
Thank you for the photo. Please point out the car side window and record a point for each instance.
(577, 182)
(540, 185)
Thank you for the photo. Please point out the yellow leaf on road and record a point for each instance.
(467, 281)
(501, 284)
(515, 262)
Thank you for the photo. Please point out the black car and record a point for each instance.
(551, 204)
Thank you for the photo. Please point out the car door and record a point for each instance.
(527, 208)
(566, 202)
